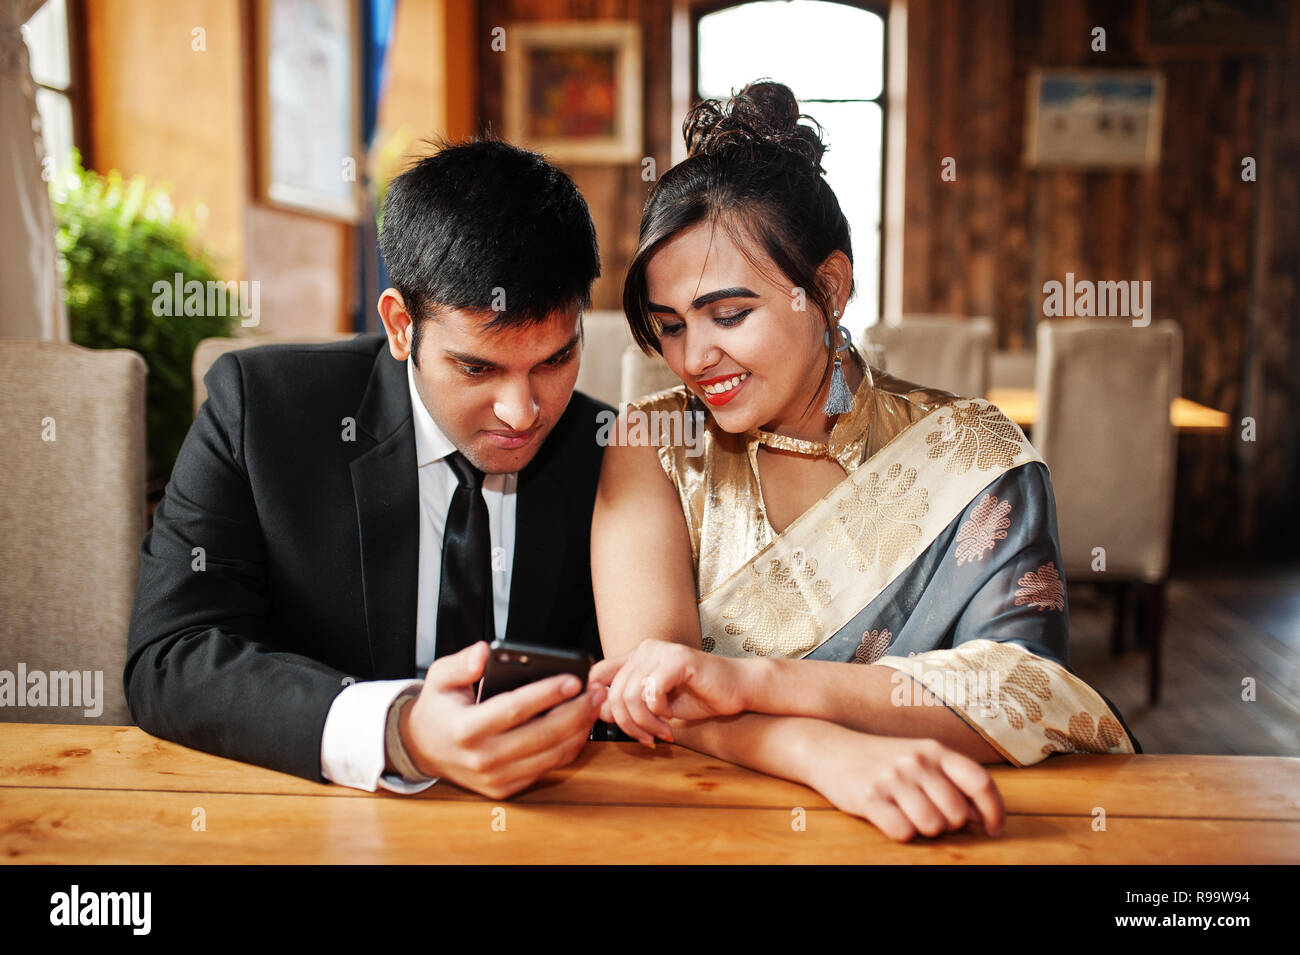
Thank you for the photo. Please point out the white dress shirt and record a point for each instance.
(352, 744)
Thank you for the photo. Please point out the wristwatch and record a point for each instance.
(393, 748)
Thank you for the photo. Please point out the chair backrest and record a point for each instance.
(210, 349)
(938, 351)
(72, 505)
(645, 374)
(1105, 390)
(605, 334)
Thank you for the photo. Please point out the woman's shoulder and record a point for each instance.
(914, 400)
(893, 407)
(670, 399)
(911, 402)
(674, 422)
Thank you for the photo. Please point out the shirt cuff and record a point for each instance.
(352, 743)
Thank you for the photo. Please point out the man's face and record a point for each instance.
(497, 393)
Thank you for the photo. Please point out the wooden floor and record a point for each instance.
(1222, 625)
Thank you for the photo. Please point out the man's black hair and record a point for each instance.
(482, 226)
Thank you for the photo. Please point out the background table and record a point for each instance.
(77, 794)
(1188, 417)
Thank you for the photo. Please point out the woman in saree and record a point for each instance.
(846, 580)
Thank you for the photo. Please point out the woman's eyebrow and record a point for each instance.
(708, 298)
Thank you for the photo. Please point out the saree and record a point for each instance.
(936, 557)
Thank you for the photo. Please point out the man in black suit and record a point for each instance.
(341, 518)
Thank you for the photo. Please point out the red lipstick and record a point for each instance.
(721, 398)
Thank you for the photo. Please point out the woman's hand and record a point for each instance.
(906, 786)
(660, 681)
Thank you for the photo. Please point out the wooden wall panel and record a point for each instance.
(616, 193)
(1223, 255)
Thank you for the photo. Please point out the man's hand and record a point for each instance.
(660, 681)
(499, 746)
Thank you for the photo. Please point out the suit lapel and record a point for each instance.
(386, 487)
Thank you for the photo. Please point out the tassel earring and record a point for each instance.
(839, 400)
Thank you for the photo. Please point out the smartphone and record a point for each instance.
(512, 665)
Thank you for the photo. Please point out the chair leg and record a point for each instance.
(1119, 624)
(1155, 622)
(1141, 616)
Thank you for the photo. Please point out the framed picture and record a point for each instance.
(1173, 28)
(1094, 118)
(308, 106)
(573, 90)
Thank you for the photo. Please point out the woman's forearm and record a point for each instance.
(870, 699)
(903, 786)
(785, 746)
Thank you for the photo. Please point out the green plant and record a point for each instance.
(116, 240)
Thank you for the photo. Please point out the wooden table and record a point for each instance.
(82, 794)
(1021, 406)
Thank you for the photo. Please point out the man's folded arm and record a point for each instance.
(201, 669)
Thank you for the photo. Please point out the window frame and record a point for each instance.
(78, 73)
(698, 9)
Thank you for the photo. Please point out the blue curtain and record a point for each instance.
(376, 26)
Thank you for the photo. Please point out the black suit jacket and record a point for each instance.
(298, 482)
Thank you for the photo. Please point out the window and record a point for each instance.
(52, 68)
(832, 56)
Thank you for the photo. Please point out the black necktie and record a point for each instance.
(465, 591)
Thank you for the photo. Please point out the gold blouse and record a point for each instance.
(718, 481)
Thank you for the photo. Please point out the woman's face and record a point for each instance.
(751, 350)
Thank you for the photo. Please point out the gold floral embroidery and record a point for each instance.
(873, 646)
(975, 433)
(1021, 689)
(988, 524)
(1042, 589)
(1021, 684)
(1025, 682)
(1084, 736)
(1030, 693)
(875, 521)
(777, 608)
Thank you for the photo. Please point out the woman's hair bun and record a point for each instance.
(763, 112)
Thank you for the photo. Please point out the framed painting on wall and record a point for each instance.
(573, 90)
(1094, 118)
(308, 106)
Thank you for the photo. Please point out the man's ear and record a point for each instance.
(397, 323)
